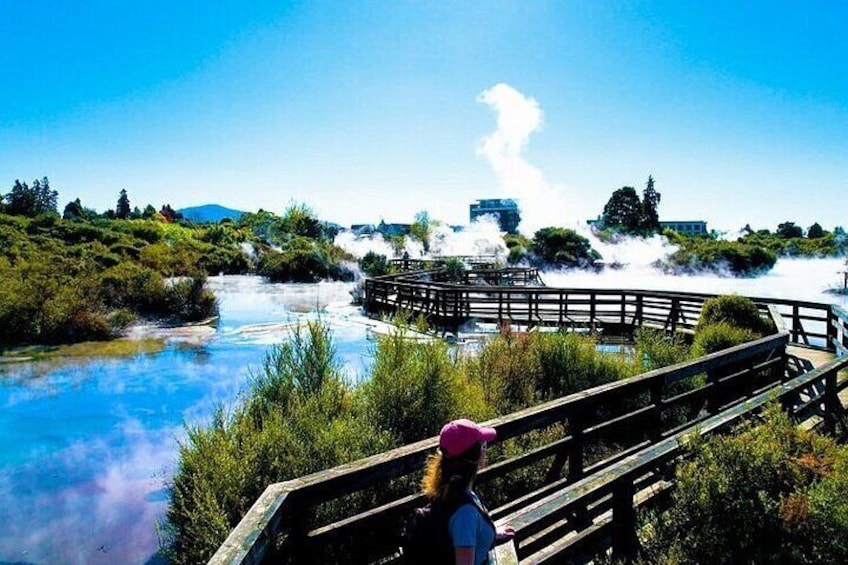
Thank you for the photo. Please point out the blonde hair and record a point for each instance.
(445, 476)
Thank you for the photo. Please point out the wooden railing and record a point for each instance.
(616, 419)
(450, 305)
(547, 530)
(604, 448)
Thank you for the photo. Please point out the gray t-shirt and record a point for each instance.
(468, 528)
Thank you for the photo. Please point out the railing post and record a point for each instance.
(592, 297)
(796, 323)
(576, 424)
(831, 403)
(623, 306)
(656, 402)
(624, 542)
(831, 330)
(639, 306)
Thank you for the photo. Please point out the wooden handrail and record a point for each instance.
(250, 540)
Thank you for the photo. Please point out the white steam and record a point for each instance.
(519, 116)
(482, 237)
(359, 246)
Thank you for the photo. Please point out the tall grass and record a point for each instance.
(299, 415)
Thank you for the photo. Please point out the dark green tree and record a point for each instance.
(788, 230)
(563, 247)
(300, 221)
(149, 212)
(815, 231)
(623, 211)
(73, 210)
(650, 202)
(123, 210)
(32, 201)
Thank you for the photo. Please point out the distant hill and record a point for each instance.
(209, 213)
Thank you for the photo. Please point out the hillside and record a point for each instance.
(209, 213)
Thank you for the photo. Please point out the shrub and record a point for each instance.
(298, 418)
(738, 311)
(374, 264)
(716, 337)
(774, 493)
(188, 300)
(416, 387)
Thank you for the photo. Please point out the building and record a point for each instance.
(696, 227)
(504, 209)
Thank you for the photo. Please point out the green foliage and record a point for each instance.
(774, 493)
(716, 337)
(123, 210)
(727, 321)
(739, 311)
(374, 264)
(416, 387)
(788, 230)
(455, 270)
(304, 260)
(563, 247)
(421, 229)
(700, 254)
(625, 213)
(31, 201)
(300, 221)
(298, 417)
(658, 349)
(519, 247)
(790, 243)
(519, 370)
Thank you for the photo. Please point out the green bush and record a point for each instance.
(298, 417)
(374, 264)
(416, 387)
(735, 310)
(773, 493)
(716, 337)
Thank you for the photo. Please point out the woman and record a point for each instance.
(449, 480)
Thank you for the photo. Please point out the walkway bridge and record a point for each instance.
(571, 473)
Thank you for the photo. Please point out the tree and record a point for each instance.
(170, 214)
(650, 202)
(33, 201)
(788, 230)
(149, 212)
(73, 210)
(564, 247)
(420, 229)
(623, 211)
(300, 220)
(123, 210)
(815, 231)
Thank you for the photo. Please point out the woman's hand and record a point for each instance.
(504, 532)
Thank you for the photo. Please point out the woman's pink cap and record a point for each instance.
(460, 435)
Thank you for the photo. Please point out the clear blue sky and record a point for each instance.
(366, 110)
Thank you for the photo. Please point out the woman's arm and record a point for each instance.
(464, 555)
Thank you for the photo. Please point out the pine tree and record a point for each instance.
(123, 210)
(650, 201)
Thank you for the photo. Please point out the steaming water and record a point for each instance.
(87, 444)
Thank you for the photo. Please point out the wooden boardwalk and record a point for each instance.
(582, 500)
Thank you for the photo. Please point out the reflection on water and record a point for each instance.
(87, 443)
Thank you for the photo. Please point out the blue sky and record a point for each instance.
(369, 110)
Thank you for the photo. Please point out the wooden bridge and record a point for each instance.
(609, 450)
